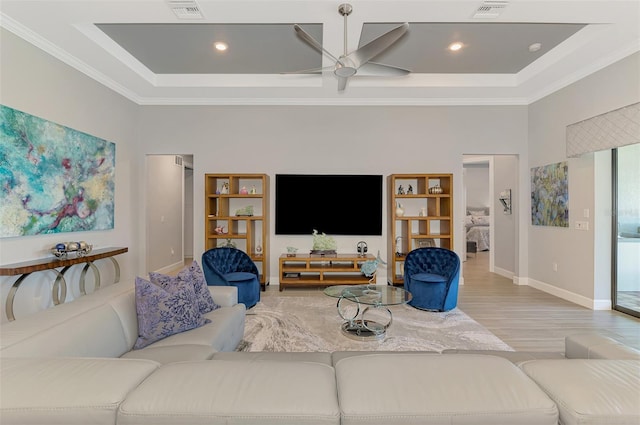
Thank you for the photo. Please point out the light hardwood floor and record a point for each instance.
(529, 319)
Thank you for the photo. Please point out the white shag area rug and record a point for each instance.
(311, 323)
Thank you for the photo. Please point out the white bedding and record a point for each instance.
(480, 235)
(478, 230)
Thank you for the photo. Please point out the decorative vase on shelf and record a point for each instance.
(436, 190)
(258, 248)
(399, 210)
(423, 212)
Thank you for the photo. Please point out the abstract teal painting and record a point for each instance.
(53, 178)
(550, 195)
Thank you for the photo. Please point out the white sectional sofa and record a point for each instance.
(73, 364)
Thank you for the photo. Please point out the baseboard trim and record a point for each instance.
(503, 272)
(570, 296)
(602, 304)
(517, 280)
(170, 267)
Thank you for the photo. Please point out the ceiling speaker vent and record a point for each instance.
(185, 9)
(490, 9)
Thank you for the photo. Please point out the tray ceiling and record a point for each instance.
(142, 50)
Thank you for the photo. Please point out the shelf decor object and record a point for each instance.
(425, 219)
(242, 214)
(323, 244)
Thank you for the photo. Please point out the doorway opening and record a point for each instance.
(490, 229)
(169, 211)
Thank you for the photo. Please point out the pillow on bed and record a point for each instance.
(480, 220)
(477, 211)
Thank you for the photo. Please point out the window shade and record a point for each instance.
(610, 130)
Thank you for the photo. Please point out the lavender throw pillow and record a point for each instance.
(191, 275)
(162, 313)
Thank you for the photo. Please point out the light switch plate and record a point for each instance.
(582, 225)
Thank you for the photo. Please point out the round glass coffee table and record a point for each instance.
(358, 326)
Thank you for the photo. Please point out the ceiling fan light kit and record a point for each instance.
(348, 64)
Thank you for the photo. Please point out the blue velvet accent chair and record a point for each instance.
(432, 276)
(227, 266)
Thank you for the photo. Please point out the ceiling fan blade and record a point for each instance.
(373, 69)
(342, 83)
(312, 41)
(310, 71)
(377, 46)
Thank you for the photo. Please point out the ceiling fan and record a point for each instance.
(358, 61)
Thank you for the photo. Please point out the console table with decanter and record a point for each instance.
(59, 289)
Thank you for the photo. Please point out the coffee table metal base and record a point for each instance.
(363, 329)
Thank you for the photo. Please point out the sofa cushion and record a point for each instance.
(172, 353)
(94, 332)
(162, 313)
(67, 391)
(590, 391)
(279, 356)
(190, 275)
(336, 356)
(231, 392)
(394, 389)
(516, 357)
(223, 333)
(224, 296)
(597, 346)
(25, 336)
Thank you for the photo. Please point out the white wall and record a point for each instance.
(505, 176)
(574, 251)
(38, 84)
(188, 213)
(164, 213)
(477, 180)
(372, 140)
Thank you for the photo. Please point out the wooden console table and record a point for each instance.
(59, 291)
(311, 269)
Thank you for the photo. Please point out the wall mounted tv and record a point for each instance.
(330, 203)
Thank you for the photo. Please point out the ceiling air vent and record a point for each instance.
(185, 9)
(490, 9)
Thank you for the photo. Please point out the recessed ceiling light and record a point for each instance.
(454, 47)
(535, 47)
(220, 46)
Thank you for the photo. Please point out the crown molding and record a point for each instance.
(62, 55)
(605, 61)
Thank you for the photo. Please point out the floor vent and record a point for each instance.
(490, 9)
(185, 9)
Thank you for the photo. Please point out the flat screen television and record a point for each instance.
(329, 203)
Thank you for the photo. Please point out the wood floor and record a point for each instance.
(532, 320)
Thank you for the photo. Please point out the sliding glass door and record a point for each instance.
(626, 229)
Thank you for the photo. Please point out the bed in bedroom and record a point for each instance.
(477, 228)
